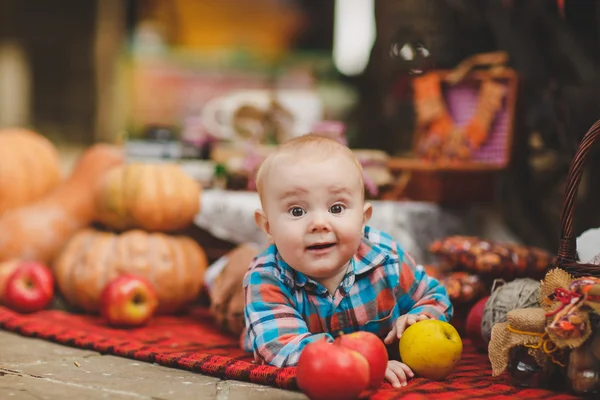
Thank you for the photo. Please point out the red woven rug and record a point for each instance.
(192, 343)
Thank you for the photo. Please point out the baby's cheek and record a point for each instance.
(289, 243)
(352, 235)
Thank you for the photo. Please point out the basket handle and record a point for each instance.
(567, 249)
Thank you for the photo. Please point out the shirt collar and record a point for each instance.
(295, 278)
(367, 257)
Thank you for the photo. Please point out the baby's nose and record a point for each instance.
(319, 222)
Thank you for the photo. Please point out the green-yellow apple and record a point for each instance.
(128, 301)
(431, 348)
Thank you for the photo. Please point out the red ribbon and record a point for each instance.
(565, 297)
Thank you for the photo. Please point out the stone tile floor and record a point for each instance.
(37, 369)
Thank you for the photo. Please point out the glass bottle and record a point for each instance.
(583, 369)
(524, 371)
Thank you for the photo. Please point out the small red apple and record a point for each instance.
(330, 372)
(29, 288)
(373, 349)
(6, 270)
(128, 301)
(473, 324)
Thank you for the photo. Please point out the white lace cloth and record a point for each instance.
(229, 215)
(588, 246)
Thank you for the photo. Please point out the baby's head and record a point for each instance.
(306, 148)
(313, 208)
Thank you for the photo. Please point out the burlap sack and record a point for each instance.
(555, 278)
(526, 320)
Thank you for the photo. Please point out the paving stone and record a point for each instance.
(244, 391)
(17, 349)
(15, 387)
(117, 373)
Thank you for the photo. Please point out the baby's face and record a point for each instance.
(316, 212)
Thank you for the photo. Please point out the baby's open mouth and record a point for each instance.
(320, 246)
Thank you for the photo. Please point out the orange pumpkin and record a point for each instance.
(174, 264)
(154, 197)
(38, 230)
(29, 167)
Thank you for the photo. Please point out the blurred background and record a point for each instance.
(142, 71)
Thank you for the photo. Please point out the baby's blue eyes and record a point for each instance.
(299, 212)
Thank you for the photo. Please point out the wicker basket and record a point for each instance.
(469, 181)
(582, 364)
(567, 250)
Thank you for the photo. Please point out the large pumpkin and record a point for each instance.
(154, 197)
(174, 264)
(39, 230)
(29, 167)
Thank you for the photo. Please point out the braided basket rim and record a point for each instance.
(567, 250)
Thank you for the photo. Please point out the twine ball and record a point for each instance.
(520, 293)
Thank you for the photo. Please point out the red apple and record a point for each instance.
(6, 270)
(373, 349)
(328, 371)
(128, 301)
(29, 288)
(473, 324)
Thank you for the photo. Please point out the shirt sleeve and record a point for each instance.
(423, 294)
(277, 332)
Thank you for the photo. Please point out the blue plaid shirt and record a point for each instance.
(285, 309)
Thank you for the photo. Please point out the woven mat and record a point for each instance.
(191, 342)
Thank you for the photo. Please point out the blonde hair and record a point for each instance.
(309, 146)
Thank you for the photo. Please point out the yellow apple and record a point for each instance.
(431, 348)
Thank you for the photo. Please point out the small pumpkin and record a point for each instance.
(175, 265)
(29, 167)
(154, 197)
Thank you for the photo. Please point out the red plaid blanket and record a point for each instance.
(192, 342)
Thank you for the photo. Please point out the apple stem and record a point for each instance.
(138, 299)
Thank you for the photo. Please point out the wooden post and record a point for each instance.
(110, 35)
(15, 73)
(15, 84)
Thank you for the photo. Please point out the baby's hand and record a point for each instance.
(401, 324)
(398, 373)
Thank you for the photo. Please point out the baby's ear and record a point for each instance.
(262, 222)
(367, 211)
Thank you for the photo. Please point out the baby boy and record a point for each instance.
(326, 271)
